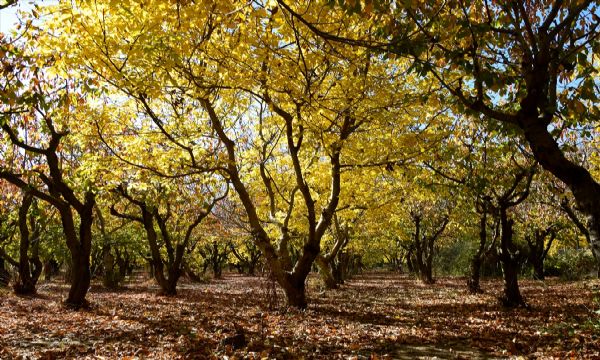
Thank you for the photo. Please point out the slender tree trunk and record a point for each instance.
(50, 269)
(429, 260)
(4, 275)
(338, 269)
(217, 269)
(25, 284)
(123, 263)
(36, 263)
(512, 295)
(473, 282)
(410, 265)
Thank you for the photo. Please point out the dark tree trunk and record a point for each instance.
(538, 270)
(338, 269)
(473, 282)
(4, 274)
(36, 263)
(170, 287)
(585, 189)
(295, 291)
(538, 250)
(410, 265)
(341, 267)
(427, 275)
(50, 269)
(80, 280)
(80, 249)
(424, 247)
(428, 270)
(512, 295)
(420, 265)
(123, 261)
(217, 269)
(25, 284)
(173, 264)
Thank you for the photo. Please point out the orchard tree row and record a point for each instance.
(301, 136)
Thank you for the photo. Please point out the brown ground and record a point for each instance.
(376, 315)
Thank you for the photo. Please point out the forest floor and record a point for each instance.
(374, 316)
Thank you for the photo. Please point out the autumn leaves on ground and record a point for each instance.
(376, 315)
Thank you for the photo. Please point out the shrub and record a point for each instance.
(572, 264)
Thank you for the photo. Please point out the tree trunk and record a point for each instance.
(426, 275)
(473, 282)
(594, 224)
(112, 278)
(428, 263)
(36, 263)
(191, 274)
(80, 280)
(410, 265)
(123, 263)
(325, 271)
(295, 292)
(50, 269)
(25, 284)
(583, 186)
(80, 248)
(169, 286)
(512, 295)
(4, 274)
(538, 269)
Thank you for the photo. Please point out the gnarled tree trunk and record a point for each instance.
(80, 247)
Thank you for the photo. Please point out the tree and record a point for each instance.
(215, 70)
(526, 66)
(424, 243)
(329, 262)
(161, 207)
(35, 122)
(30, 266)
